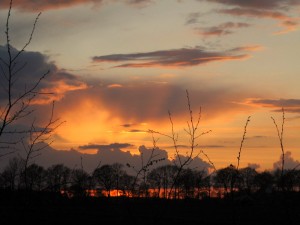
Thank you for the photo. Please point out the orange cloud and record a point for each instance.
(115, 86)
(288, 26)
(57, 92)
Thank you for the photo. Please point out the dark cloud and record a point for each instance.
(195, 163)
(174, 58)
(29, 68)
(262, 4)
(287, 22)
(193, 18)
(253, 166)
(137, 131)
(222, 29)
(255, 13)
(277, 102)
(73, 158)
(289, 105)
(289, 162)
(198, 147)
(126, 125)
(43, 5)
(139, 2)
(273, 9)
(106, 147)
(258, 136)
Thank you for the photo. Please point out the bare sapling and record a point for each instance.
(193, 133)
(141, 173)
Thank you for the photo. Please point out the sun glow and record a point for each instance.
(87, 123)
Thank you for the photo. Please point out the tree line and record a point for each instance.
(115, 180)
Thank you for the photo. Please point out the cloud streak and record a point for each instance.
(44, 5)
(183, 57)
(112, 146)
(289, 105)
(270, 4)
(221, 29)
(276, 9)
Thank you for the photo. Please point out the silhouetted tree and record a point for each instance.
(155, 182)
(58, 177)
(35, 178)
(80, 182)
(106, 177)
(202, 183)
(226, 178)
(165, 178)
(186, 182)
(141, 174)
(125, 183)
(287, 181)
(264, 181)
(119, 172)
(246, 179)
(11, 174)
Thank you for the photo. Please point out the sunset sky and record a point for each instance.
(118, 66)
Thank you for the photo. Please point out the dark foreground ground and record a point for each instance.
(47, 208)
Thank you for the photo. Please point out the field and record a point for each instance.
(43, 208)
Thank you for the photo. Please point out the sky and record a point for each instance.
(117, 67)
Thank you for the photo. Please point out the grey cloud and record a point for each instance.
(172, 58)
(262, 4)
(136, 131)
(126, 125)
(29, 68)
(289, 162)
(139, 2)
(222, 29)
(255, 13)
(289, 105)
(273, 9)
(253, 165)
(73, 158)
(290, 110)
(193, 18)
(198, 147)
(258, 136)
(195, 163)
(105, 147)
(278, 102)
(43, 5)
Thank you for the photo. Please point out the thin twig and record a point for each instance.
(280, 137)
(242, 142)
